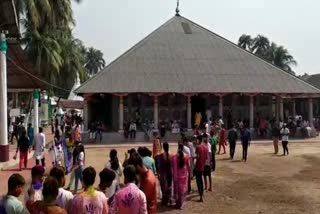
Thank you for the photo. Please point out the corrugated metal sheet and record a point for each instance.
(169, 60)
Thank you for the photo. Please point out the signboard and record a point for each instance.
(15, 112)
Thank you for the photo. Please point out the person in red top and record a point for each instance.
(147, 182)
(222, 140)
(201, 158)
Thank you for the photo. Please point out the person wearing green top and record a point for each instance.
(148, 161)
(214, 142)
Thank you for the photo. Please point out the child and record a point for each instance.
(79, 166)
(34, 192)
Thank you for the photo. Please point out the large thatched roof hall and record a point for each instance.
(181, 69)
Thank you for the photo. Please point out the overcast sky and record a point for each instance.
(113, 26)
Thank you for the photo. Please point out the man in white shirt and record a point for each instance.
(220, 122)
(208, 114)
(132, 130)
(64, 198)
(40, 143)
(285, 139)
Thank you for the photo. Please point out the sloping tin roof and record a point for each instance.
(314, 80)
(183, 57)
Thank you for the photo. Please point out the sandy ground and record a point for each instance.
(267, 183)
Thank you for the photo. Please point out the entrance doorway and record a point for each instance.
(198, 104)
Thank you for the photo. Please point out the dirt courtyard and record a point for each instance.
(267, 183)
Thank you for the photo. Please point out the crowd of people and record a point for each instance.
(132, 186)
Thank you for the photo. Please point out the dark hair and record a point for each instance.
(147, 151)
(50, 188)
(114, 159)
(80, 148)
(57, 134)
(140, 151)
(204, 135)
(23, 133)
(107, 175)
(130, 173)
(199, 137)
(132, 151)
(89, 176)
(37, 171)
(29, 124)
(40, 129)
(135, 160)
(165, 146)
(181, 156)
(58, 173)
(15, 181)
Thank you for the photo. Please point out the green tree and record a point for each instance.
(94, 61)
(283, 59)
(271, 52)
(260, 46)
(245, 42)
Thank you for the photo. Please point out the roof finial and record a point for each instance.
(177, 9)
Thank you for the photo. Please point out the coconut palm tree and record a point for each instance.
(245, 42)
(94, 61)
(260, 46)
(283, 59)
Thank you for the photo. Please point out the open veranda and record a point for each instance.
(266, 183)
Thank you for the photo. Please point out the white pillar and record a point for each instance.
(121, 114)
(221, 106)
(36, 111)
(281, 113)
(294, 113)
(310, 103)
(156, 112)
(251, 112)
(189, 113)
(4, 147)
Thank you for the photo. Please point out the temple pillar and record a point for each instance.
(156, 112)
(310, 113)
(221, 106)
(36, 111)
(277, 109)
(4, 146)
(294, 113)
(121, 114)
(85, 113)
(251, 111)
(189, 116)
(281, 112)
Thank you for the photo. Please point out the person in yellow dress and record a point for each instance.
(197, 119)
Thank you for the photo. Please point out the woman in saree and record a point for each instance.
(68, 147)
(181, 169)
(165, 174)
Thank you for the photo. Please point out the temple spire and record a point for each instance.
(178, 9)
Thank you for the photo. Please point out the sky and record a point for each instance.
(115, 26)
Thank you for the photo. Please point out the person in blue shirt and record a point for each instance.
(30, 134)
(246, 139)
